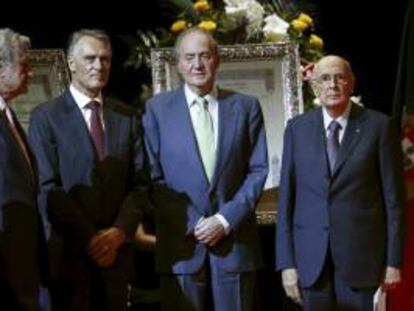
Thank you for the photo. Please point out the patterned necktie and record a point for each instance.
(203, 127)
(96, 129)
(332, 143)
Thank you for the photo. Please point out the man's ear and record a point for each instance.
(71, 64)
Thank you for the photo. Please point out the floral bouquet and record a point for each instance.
(236, 22)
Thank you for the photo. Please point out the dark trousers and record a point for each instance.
(92, 288)
(331, 293)
(209, 289)
(19, 271)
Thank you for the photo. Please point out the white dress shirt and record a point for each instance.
(342, 120)
(82, 101)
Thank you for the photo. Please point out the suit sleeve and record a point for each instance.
(152, 144)
(55, 204)
(390, 159)
(244, 201)
(284, 239)
(136, 200)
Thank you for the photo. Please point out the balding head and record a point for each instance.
(333, 83)
(332, 60)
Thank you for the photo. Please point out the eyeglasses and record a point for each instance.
(326, 79)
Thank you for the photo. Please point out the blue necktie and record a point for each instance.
(332, 143)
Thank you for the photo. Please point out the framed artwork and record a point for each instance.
(50, 78)
(270, 72)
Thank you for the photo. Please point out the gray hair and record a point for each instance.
(12, 46)
(185, 33)
(94, 33)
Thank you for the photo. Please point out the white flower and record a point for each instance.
(275, 28)
(255, 13)
(237, 10)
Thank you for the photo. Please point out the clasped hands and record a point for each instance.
(209, 230)
(104, 245)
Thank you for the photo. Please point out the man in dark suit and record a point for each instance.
(208, 156)
(340, 212)
(92, 181)
(21, 233)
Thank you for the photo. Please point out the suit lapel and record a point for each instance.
(12, 140)
(32, 158)
(75, 126)
(182, 127)
(111, 130)
(227, 121)
(320, 142)
(351, 136)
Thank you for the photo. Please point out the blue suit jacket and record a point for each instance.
(357, 210)
(182, 193)
(79, 194)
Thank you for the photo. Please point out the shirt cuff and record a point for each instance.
(224, 222)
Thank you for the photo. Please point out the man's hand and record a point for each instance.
(391, 279)
(103, 247)
(290, 282)
(209, 231)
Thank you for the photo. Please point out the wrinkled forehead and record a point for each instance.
(331, 66)
(196, 43)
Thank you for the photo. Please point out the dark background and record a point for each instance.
(367, 33)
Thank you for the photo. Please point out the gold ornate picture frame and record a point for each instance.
(50, 78)
(270, 72)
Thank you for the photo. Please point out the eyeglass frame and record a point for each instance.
(338, 79)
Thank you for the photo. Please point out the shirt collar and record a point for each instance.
(81, 99)
(342, 119)
(191, 96)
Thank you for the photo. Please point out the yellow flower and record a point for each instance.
(316, 41)
(178, 26)
(299, 25)
(306, 19)
(201, 6)
(208, 25)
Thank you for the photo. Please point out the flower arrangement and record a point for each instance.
(248, 21)
(237, 22)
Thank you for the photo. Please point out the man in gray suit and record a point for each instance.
(20, 230)
(341, 207)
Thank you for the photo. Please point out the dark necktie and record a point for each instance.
(96, 129)
(332, 143)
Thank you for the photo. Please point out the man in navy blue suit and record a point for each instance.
(92, 180)
(208, 157)
(21, 232)
(340, 212)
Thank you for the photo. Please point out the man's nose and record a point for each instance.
(97, 63)
(197, 62)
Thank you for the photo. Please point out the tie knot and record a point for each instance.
(94, 105)
(202, 103)
(334, 126)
